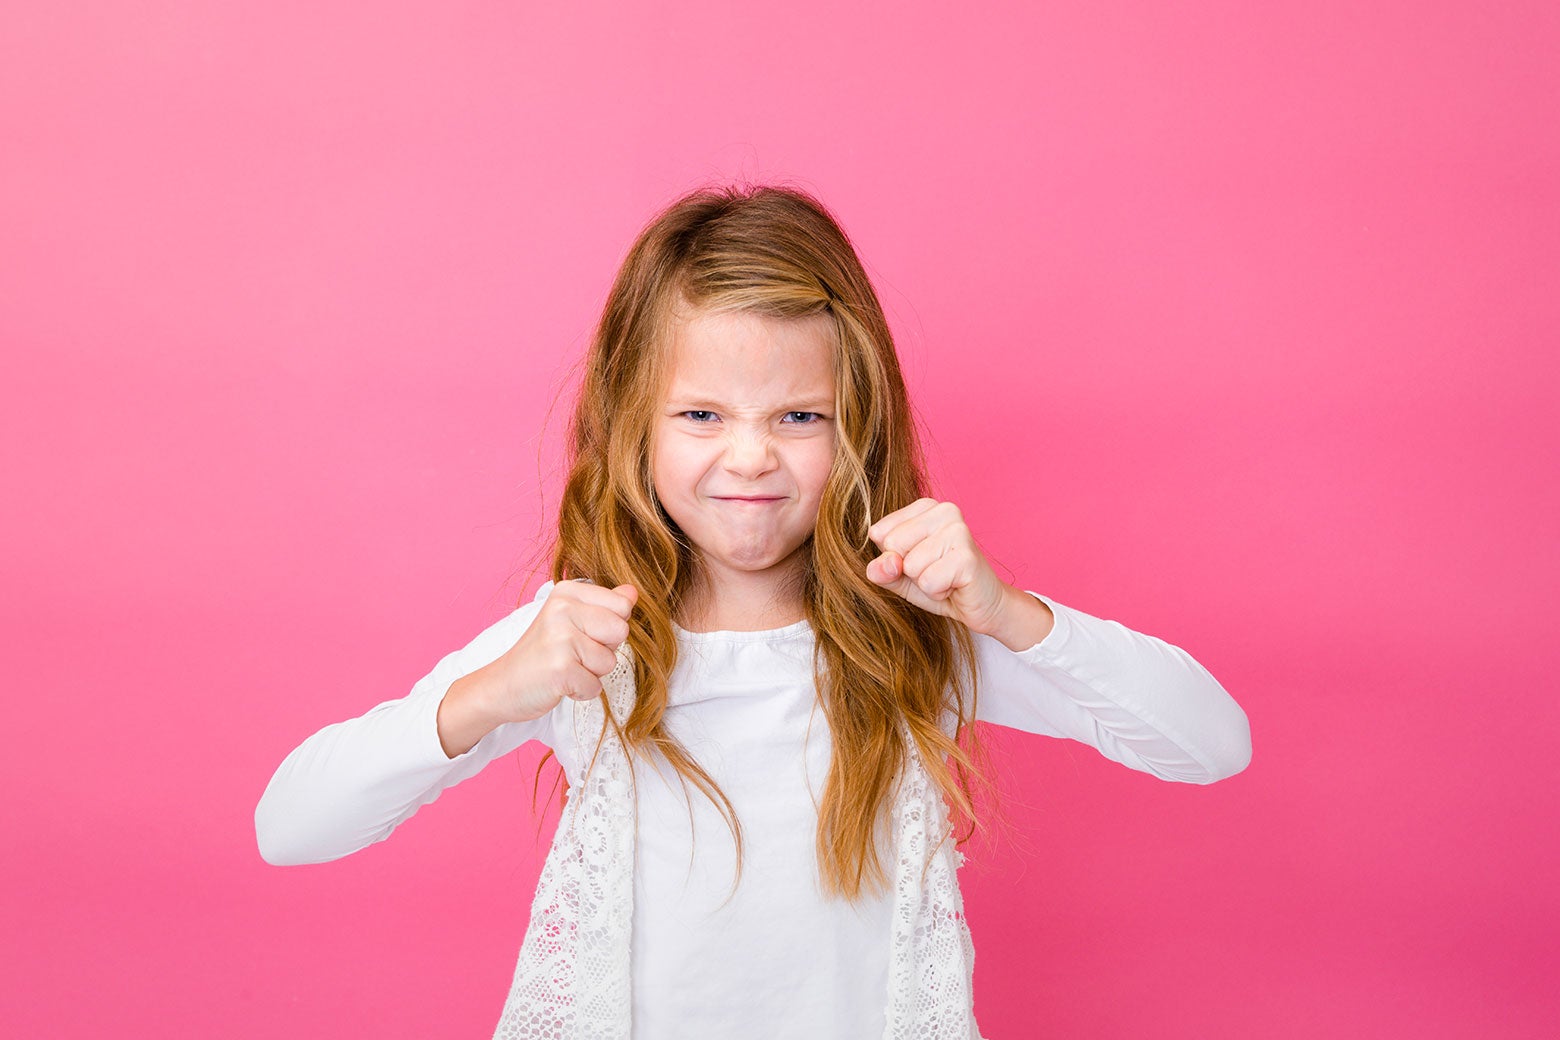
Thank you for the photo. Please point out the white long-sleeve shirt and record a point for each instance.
(772, 958)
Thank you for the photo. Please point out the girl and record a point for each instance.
(758, 663)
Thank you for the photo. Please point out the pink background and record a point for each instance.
(1235, 322)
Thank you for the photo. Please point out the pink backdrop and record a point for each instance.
(1234, 322)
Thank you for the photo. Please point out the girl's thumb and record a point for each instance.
(885, 569)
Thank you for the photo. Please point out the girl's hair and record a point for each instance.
(778, 252)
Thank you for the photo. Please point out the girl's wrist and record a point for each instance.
(464, 717)
(1023, 620)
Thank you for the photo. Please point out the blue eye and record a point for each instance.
(703, 416)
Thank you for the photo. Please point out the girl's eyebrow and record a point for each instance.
(688, 402)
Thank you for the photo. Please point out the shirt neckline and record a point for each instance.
(762, 635)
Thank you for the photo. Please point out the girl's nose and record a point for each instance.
(749, 455)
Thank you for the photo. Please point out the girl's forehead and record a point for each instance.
(743, 352)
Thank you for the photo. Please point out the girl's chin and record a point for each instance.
(753, 559)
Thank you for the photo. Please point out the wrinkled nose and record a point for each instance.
(749, 455)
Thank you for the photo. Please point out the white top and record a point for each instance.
(774, 959)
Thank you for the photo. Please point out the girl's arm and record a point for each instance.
(1139, 700)
(352, 783)
(1050, 669)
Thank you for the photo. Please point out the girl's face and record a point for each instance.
(744, 441)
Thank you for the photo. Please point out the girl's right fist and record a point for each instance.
(569, 647)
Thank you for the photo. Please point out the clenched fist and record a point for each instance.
(568, 648)
(930, 558)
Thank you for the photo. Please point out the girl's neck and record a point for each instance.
(752, 605)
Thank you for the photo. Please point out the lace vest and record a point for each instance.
(573, 979)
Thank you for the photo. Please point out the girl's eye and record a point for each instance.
(804, 418)
(700, 416)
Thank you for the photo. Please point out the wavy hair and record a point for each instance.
(878, 659)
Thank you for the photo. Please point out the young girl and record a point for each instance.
(758, 663)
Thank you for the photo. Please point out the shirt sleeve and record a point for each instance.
(1139, 700)
(352, 783)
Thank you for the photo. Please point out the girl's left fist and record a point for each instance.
(930, 558)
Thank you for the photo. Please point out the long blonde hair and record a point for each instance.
(776, 251)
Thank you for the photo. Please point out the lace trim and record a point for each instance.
(572, 980)
(931, 963)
